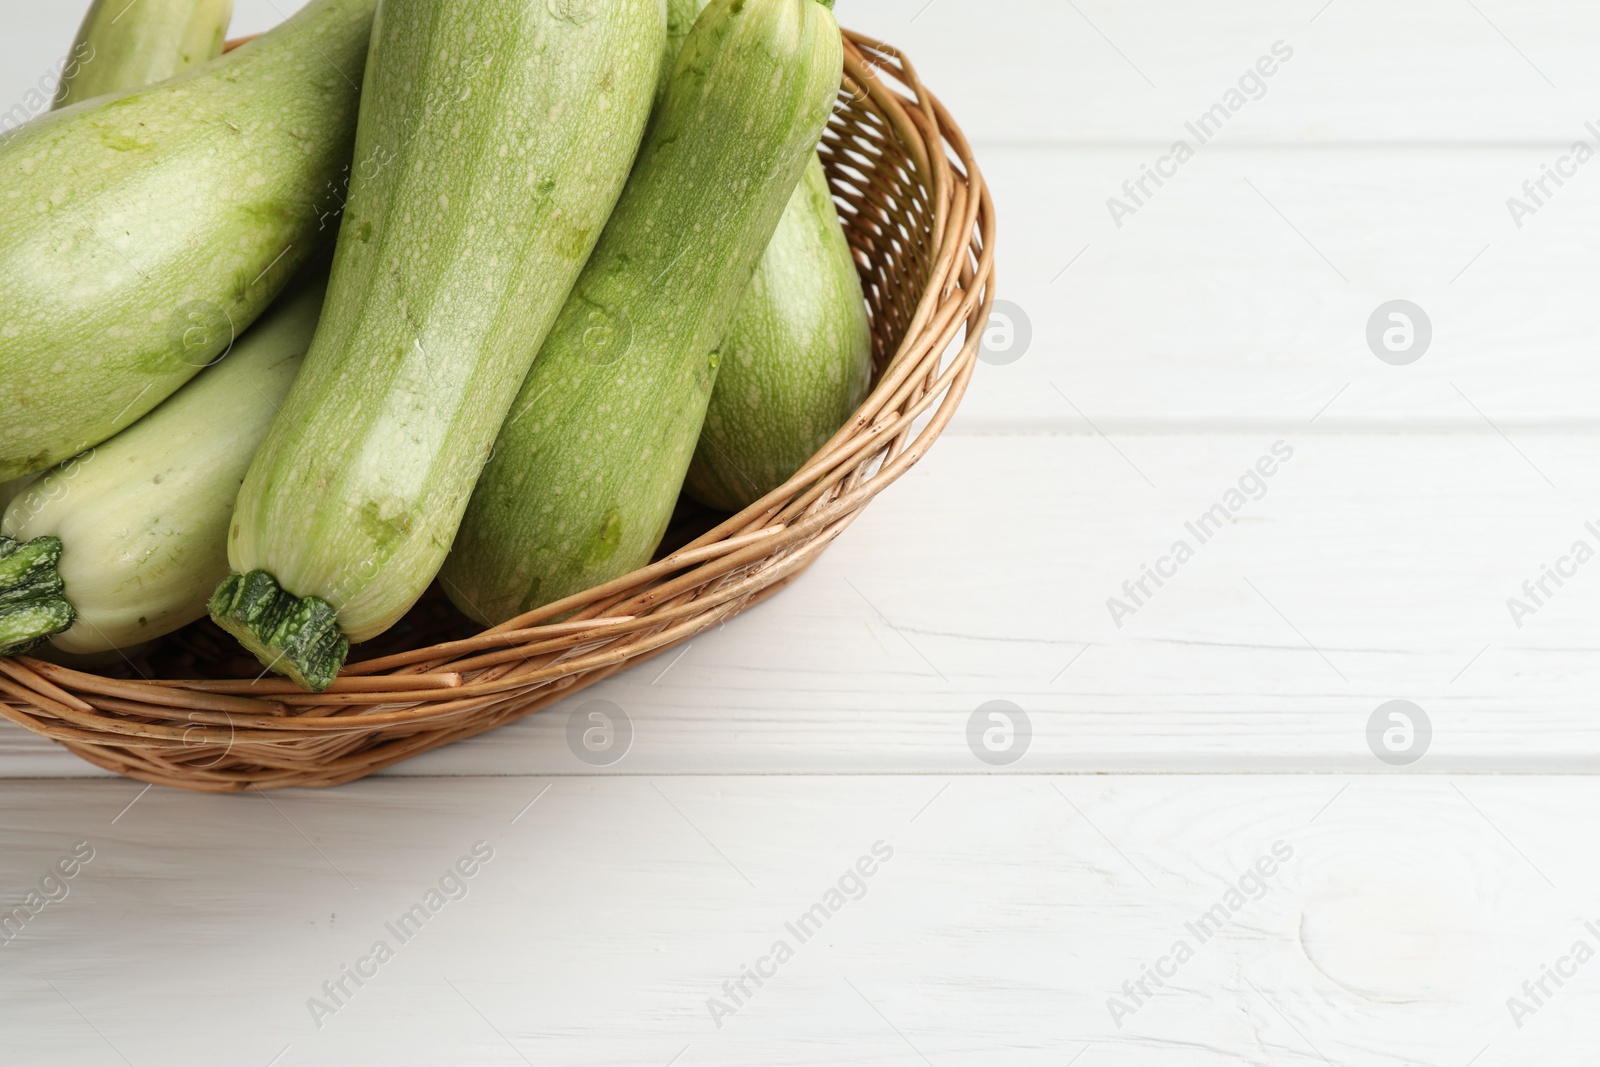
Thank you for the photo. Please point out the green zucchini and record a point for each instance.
(123, 45)
(503, 136)
(117, 48)
(681, 15)
(590, 462)
(796, 361)
(798, 357)
(142, 519)
(142, 232)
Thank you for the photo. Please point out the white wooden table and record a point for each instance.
(1196, 854)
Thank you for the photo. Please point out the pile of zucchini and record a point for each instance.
(403, 290)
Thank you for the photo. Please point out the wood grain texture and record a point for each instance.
(1363, 71)
(1226, 314)
(1239, 295)
(1010, 912)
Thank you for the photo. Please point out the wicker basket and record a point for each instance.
(922, 226)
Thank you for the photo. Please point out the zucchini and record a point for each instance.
(142, 232)
(681, 15)
(117, 48)
(504, 134)
(141, 521)
(31, 600)
(798, 356)
(589, 464)
(123, 45)
(796, 361)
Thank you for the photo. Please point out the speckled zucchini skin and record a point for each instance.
(140, 234)
(798, 357)
(681, 15)
(494, 141)
(32, 600)
(123, 45)
(143, 518)
(591, 460)
(795, 363)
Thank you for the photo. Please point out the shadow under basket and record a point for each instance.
(921, 224)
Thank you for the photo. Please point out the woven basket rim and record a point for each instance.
(926, 213)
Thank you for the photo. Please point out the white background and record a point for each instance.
(1227, 715)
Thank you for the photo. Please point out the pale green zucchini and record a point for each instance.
(795, 363)
(681, 15)
(797, 360)
(589, 463)
(117, 47)
(141, 233)
(501, 136)
(123, 44)
(142, 519)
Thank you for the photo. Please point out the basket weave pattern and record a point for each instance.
(921, 223)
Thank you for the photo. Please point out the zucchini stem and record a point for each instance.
(33, 603)
(298, 637)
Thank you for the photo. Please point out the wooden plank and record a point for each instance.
(772, 755)
(1361, 71)
(1373, 568)
(1010, 912)
(1239, 295)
